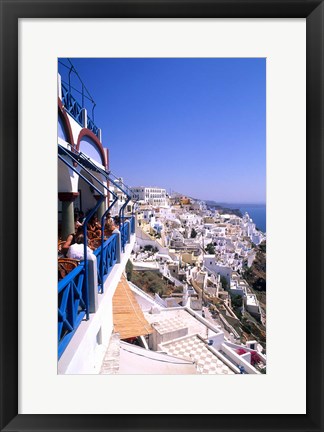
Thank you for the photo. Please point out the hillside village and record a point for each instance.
(202, 254)
(187, 257)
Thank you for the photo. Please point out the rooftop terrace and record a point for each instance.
(173, 318)
(195, 349)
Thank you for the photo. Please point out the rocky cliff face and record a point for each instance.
(256, 274)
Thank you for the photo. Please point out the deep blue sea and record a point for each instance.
(256, 211)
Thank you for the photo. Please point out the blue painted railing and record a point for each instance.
(91, 125)
(71, 305)
(73, 107)
(106, 259)
(124, 231)
(72, 296)
(132, 221)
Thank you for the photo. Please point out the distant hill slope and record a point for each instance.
(211, 205)
(223, 210)
(256, 274)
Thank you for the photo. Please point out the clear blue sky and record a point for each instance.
(197, 126)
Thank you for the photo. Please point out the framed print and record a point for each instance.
(44, 382)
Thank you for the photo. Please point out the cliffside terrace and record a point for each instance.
(81, 305)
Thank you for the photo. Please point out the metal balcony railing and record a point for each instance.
(74, 108)
(72, 298)
(132, 221)
(71, 105)
(71, 84)
(71, 305)
(91, 126)
(106, 259)
(124, 230)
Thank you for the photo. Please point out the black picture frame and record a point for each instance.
(11, 11)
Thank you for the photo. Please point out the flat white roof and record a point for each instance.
(251, 299)
(194, 349)
(184, 317)
(169, 325)
(136, 360)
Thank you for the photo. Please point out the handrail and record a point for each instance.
(78, 157)
(129, 192)
(122, 221)
(108, 177)
(103, 220)
(88, 217)
(71, 305)
(75, 109)
(133, 226)
(102, 171)
(75, 157)
(72, 68)
(124, 230)
(106, 259)
(81, 156)
(70, 276)
(71, 104)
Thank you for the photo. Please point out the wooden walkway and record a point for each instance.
(128, 317)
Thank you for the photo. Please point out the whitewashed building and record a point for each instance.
(212, 265)
(151, 195)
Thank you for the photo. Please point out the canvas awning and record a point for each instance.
(128, 317)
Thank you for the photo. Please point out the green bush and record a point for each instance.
(210, 248)
(237, 301)
(150, 281)
(193, 233)
(224, 282)
(129, 270)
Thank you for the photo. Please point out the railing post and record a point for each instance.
(128, 230)
(118, 246)
(84, 117)
(59, 86)
(93, 283)
(133, 224)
